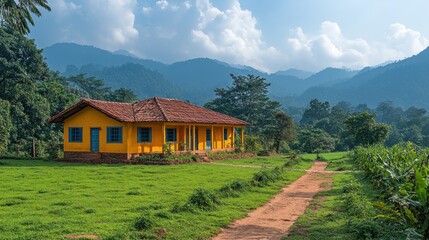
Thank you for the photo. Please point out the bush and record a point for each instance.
(239, 185)
(144, 222)
(203, 199)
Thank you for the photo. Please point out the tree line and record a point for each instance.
(318, 127)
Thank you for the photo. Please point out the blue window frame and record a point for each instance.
(75, 134)
(114, 134)
(225, 134)
(144, 134)
(170, 134)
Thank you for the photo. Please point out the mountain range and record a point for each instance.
(405, 82)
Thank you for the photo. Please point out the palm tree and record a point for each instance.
(16, 14)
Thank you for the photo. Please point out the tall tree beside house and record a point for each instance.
(5, 125)
(247, 99)
(33, 92)
(17, 14)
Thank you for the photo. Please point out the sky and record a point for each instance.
(269, 35)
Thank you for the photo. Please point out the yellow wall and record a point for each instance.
(89, 118)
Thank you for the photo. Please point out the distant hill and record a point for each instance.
(295, 73)
(405, 83)
(60, 55)
(143, 82)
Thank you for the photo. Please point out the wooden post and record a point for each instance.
(193, 139)
(212, 139)
(223, 137)
(233, 138)
(188, 142)
(242, 137)
(163, 133)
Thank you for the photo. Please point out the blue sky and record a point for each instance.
(269, 35)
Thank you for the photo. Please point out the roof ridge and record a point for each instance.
(161, 109)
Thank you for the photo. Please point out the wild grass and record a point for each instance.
(50, 200)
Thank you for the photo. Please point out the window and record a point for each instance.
(144, 134)
(75, 134)
(225, 134)
(170, 134)
(114, 134)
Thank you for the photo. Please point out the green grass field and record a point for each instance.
(50, 200)
(272, 161)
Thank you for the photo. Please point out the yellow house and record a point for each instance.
(100, 129)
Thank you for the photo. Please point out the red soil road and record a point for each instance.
(274, 219)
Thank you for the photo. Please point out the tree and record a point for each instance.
(16, 14)
(365, 130)
(316, 111)
(284, 130)
(314, 139)
(247, 99)
(90, 87)
(123, 95)
(5, 125)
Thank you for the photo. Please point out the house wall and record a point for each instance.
(89, 118)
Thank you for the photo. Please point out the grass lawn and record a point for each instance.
(50, 200)
(272, 161)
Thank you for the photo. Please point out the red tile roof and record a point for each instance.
(151, 110)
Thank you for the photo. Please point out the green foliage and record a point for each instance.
(246, 99)
(144, 222)
(166, 149)
(17, 14)
(365, 130)
(203, 199)
(310, 140)
(283, 130)
(401, 172)
(123, 95)
(5, 125)
(316, 111)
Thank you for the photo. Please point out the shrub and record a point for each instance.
(144, 222)
(262, 178)
(239, 185)
(203, 199)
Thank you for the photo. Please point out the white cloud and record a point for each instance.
(147, 10)
(405, 40)
(231, 35)
(163, 4)
(330, 48)
(107, 24)
(187, 5)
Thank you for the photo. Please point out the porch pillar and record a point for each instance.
(193, 139)
(223, 137)
(233, 137)
(163, 133)
(242, 137)
(212, 139)
(188, 142)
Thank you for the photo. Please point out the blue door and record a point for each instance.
(95, 139)
(196, 138)
(208, 139)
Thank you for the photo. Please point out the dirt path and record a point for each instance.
(273, 220)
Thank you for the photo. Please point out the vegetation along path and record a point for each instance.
(273, 220)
